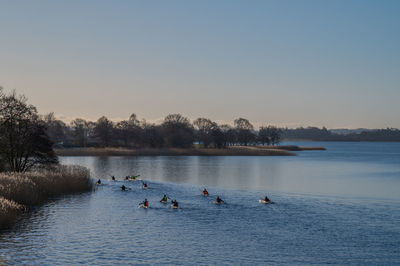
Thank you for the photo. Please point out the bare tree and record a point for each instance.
(80, 132)
(23, 140)
(245, 130)
(56, 129)
(205, 128)
(177, 131)
(274, 134)
(264, 136)
(103, 130)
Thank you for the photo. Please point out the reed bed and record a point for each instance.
(19, 191)
(229, 151)
(9, 210)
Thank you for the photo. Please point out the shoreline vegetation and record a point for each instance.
(21, 191)
(229, 151)
(30, 172)
(28, 141)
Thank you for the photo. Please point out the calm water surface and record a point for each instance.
(340, 206)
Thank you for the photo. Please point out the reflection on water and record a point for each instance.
(329, 172)
(328, 210)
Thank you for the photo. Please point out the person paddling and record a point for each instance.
(123, 188)
(144, 185)
(126, 177)
(266, 199)
(145, 203)
(205, 192)
(98, 182)
(174, 204)
(219, 200)
(134, 177)
(164, 199)
(113, 178)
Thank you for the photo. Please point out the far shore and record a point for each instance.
(230, 151)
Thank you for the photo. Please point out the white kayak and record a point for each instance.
(174, 207)
(264, 201)
(142, 206)
(131, 179)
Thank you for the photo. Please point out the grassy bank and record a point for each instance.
(293, 148)
(19, 191)
(231, 151)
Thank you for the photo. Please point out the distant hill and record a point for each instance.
(323, 134)
(345, 131)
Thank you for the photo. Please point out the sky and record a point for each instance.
(287, 63)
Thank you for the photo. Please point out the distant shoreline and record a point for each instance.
(230, 151)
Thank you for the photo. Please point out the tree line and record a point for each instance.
(27, 139)
(323, 134)
(175, 131)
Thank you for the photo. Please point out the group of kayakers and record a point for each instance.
(164, 199)
(217, 201)
(132, 177)
(145, 203)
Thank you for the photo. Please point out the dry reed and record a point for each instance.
(229, 151)
(8, 211)
(18, 191)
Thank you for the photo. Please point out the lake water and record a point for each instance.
(339, 206)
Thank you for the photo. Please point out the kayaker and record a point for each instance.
(126, 177)
(205, 192)
(145, 203)
(266, 199)
(175, 204)
(144, 185)
(164, 199)
(113, 178)
(123, 188)
(219, 200)
(98, 182)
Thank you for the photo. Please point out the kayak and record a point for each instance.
(264, 201)
(174, 207)
(142, 206)
(134, 179)
(218, 203)
(163, 201)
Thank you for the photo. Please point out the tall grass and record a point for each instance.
(18, 191)
(8, 211)
(228, 151)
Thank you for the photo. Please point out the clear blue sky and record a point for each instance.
(320, 63)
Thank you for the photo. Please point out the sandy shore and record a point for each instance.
(230, 151)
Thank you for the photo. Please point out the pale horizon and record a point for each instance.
(332, 64)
